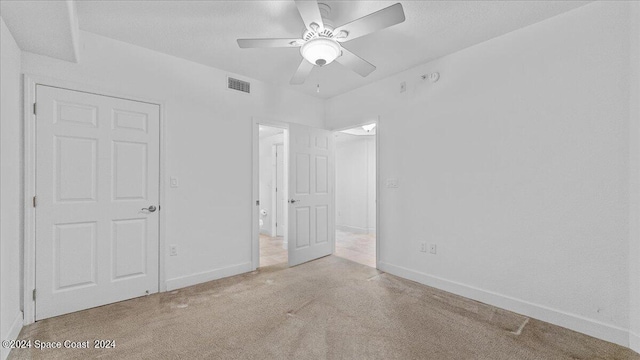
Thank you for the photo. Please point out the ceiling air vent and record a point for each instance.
(235, 84)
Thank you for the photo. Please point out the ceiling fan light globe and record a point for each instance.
(320, 51)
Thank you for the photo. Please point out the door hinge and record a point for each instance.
(34, 108)
(34, 294)
(34, 201)
(257, 202)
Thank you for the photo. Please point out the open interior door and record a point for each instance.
(311, 220)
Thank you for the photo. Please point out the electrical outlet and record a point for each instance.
(173, 250)
(432, 248)
(403, 86)
(433, 77)
(423, 247)
(173, 182)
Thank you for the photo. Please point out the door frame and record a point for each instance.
(255, 182)
(274, 193)
(29, 159)
(378, 182)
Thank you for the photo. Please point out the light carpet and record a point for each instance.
(330, 308)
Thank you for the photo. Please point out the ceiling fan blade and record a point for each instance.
(268, 43)
(310, 13)
(301, 74)
(378, 20)
(355, 63)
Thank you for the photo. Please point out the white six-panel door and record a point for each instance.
(311, 200)
(97, 167)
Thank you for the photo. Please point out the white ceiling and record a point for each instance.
(266, 131)
(206, 32)
(32, 22)
(358, 131)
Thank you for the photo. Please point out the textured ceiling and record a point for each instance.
(206, 32)
(357, 131)
(32, 22)
(266, 131)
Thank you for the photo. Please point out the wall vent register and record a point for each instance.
(239, 85)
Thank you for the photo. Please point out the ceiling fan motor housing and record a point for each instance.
(320, 48)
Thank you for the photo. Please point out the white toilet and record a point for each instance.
(263, 213)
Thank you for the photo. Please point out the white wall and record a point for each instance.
(208, 145)
(267, 168)
(516, 165)
(634, 132)
(10, 188)
(355, 183)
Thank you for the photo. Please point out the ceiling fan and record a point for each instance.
(321, 43)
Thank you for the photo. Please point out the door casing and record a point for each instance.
(29, 98)
(275, 203)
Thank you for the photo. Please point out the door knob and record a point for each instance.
(150, 208)
(293, 201)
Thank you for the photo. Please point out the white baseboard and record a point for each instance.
(574, 322)
(634, 342)
(355, 229)
(14, 331)
(198, 278)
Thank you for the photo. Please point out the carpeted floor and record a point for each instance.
(331, 308)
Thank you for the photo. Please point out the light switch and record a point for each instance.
(173, 182)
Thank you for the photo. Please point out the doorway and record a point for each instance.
(273, 247)
(308, 176)
(356, 194)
